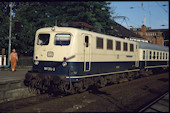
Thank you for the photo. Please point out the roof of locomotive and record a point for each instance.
(48, 29)
(144, 45)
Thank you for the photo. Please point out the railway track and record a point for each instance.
(23, 104)
(149, 106)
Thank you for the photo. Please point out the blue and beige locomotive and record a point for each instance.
(70, 59)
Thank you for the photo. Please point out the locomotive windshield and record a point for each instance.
(62, 39)
(43, 39)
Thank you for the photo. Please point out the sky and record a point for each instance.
(153, 14)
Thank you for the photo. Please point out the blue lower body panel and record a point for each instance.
(152, 64)
(77, 68)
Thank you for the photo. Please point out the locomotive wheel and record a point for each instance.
(69, 88)
(102, 82)
(83, 87)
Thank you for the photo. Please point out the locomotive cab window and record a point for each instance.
(62, 39)
(43, 39)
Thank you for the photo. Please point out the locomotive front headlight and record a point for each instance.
(53, 28)
(36, 62)
(64, 64)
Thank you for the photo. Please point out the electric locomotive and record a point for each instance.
(70, 59)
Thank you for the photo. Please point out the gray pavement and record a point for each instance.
(6, 75)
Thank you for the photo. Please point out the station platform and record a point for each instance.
(12, 84)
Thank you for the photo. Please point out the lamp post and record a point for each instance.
(10, 30)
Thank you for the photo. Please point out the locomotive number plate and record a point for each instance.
(49, 68)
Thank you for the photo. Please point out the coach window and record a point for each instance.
(131, 48)
(163, 56)
(150, 54)
(118, 45)
(125, 47)
(109, 44)
(43, 39)
(160, 55)
(86, 41)
(157, 55)
(154, 55)
(62, 39)
(99, 42)
(143, 54)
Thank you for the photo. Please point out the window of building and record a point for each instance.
(131, 48)
(118, 45)
(99, 43)
(62, 39)
(157, 55)
(154, 55)
(163, 56)
(166, 55)
(143, 54)
(150, 55)
(109, 44)
(125, 47)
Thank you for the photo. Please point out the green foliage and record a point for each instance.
(35, 15)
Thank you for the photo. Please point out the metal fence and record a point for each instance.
(25, 61)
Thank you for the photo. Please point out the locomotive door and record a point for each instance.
(87, 52)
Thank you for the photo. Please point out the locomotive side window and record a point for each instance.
(87, 41)
(131, 48)
(62, 39)
(99, 43)
(43, 39)
(125, 47)
(143, 54)
(118, 45)
(109, 44)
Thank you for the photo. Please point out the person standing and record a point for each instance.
(13, 59)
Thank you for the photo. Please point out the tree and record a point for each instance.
(35, 15)
(4, 27)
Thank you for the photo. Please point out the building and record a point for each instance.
(155, 36)
(123, 32)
